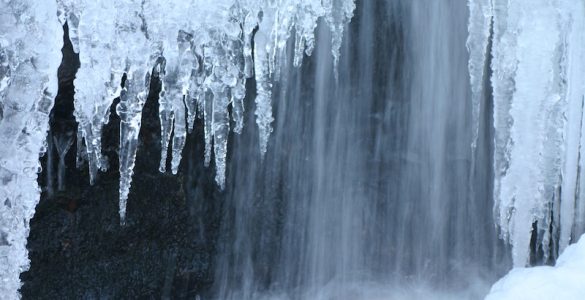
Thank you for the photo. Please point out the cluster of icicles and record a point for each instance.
(202, 52)
(538, 86)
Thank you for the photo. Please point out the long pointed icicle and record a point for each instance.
(263, 83)
(130, 111)
(220, 132)
(167, 118)
(480, 18)
(238, 93)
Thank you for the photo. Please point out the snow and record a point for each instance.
(566, 280)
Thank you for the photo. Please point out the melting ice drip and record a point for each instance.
(202, 51)
(538, 80)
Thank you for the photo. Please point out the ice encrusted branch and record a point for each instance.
(202, 52)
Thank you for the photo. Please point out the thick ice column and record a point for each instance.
(538, 80)
(504, 62)
(30, 43)
(528, 116)
(262, 49)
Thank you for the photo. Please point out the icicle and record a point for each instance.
(184, 71)
(50, 166)
(264, 93)
(180, 134)
(337, 13)
(91, 151)
(250, 22)
(130, 111)
(238, 93)
(262, 50)
(79, 156)
(63, 142)
(208, 123)
(480, 18)
(220, 132)
(195, 96)
(96, 85)
(299, 49)
(503, 65)
(166, 116)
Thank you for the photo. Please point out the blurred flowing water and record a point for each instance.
(369, 188)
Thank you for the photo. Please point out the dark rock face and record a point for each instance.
(77, 248)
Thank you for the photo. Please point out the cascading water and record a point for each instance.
(369, 179)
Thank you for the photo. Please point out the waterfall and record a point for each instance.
(360, 149)
(369, 178)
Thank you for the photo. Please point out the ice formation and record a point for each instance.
(202, 52)
(538, 85)
(200, 49)
(30, 43)
(566, 280)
